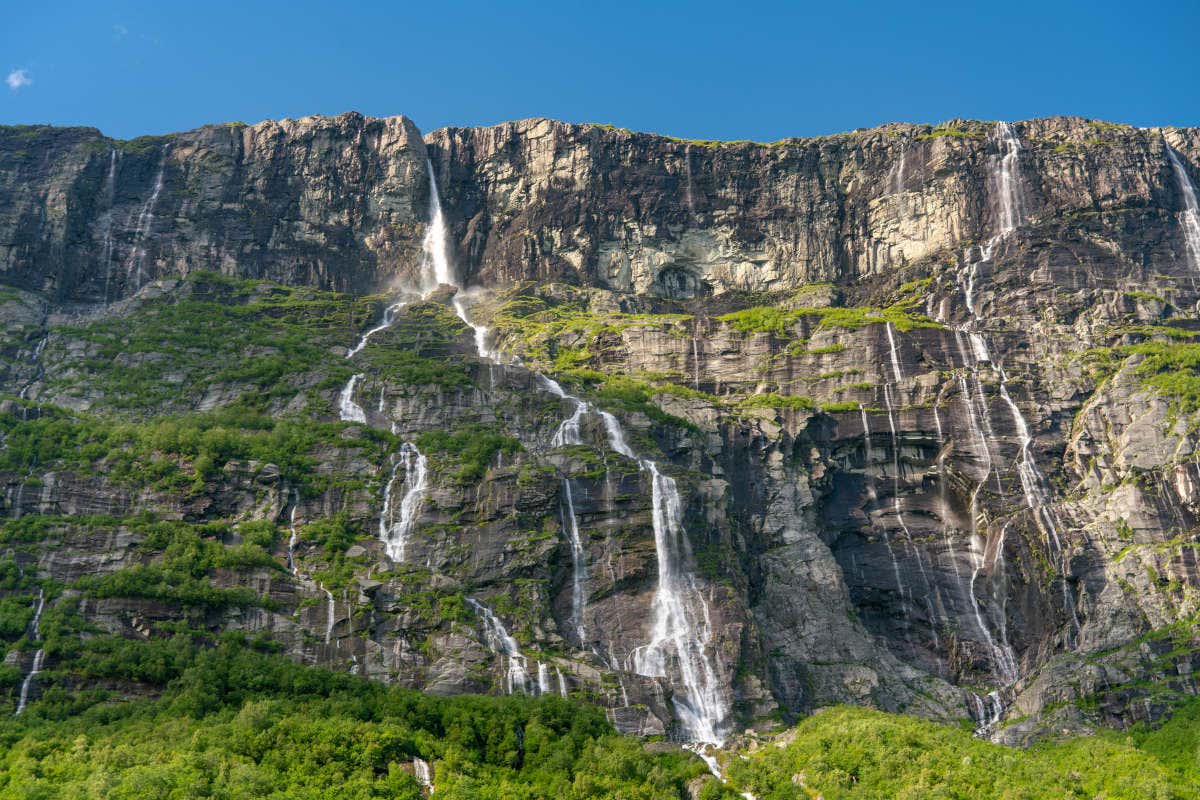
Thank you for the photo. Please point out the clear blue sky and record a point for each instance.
(701, 70)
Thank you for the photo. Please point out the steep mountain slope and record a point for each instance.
(717, 432)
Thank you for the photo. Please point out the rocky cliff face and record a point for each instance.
(903, 417)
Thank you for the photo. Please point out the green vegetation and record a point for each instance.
(791, 402)
(236, 721)
(231, 718)
(770, 319)
(260, 342)
(952, 132)
(472, 447)
(1172, 370)
(562, 332)
(856, 753)
(173, 453)
(1169, 362)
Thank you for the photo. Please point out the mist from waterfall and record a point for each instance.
(393, 531)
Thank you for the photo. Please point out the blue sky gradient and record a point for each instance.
(698, 70)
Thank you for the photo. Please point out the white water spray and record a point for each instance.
(516, 670)
(681, 626)
(1189, 218)
(681, 621)
(423, 774)
(348, 410)
(394, 532)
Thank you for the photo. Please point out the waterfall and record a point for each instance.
(394, 533)
(516, 672)
(1007, 180)
(38, 371)
(898, 171)
(543, 678)
(436, 268)
(897, 373)
(38, 658)
(389, 317)
(579, 572)
(110, 193)
(293, 537)
(568, 432)
(562, 682)
(713, 765)
(680, 614)
(330, 616)
(135, 265)
(423, 774)
(873, 497)
(681, 624)
(1189, 218)
(348, 410)
(695, 362)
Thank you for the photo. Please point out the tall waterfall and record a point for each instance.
(1189, 218)
(681, 626)
(394, 532)
(437, 268)
(579, 572)
(110, 194)
(135, 265)
(1005, 181)
(680, 630)
(330, 616)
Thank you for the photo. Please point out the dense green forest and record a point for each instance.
(236, 720)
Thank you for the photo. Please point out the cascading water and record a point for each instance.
(135, 265)
(1005, 180)
(1189, 218)
(437, 269)
(681, 624)
(348, 410)
(516, 671)
(38, 658)
(110, 194)
(389, 316)
(293, 536)
(330, 616)
(579, 571)
(394, 532)
(423, 774)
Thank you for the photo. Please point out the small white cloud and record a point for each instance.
(120, 31)
(18, 79)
